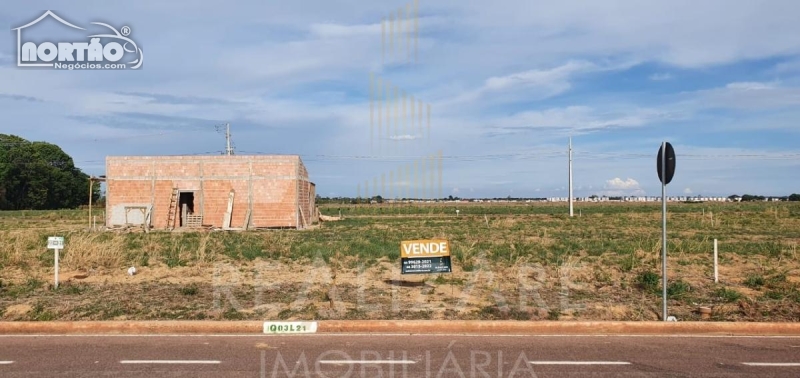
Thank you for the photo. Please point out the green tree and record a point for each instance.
(39, 176)
(750, 198)
(794, 197)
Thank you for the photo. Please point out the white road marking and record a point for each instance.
(366, 362)
(776, 364)
(579, 363)
(169, 362)
(6, 362)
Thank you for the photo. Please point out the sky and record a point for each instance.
(502, 86)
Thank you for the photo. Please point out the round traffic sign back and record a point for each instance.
(670, 168)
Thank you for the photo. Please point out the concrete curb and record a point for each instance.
(409, 327)
(132, 327)
(561, 328)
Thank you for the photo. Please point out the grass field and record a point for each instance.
(514, 261)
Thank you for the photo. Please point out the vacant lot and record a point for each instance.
(510, 261)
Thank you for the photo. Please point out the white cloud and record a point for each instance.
(619, 187)
(554, 79)
(405, 137)
(297, 62)
(578, 119)
(681, 32)
(536, 83)
(340, 31)
(687, 191)
(618, 183)
(743, 96)
(660, 76)
(750, 86)
(788, 67)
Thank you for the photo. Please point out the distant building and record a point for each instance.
(166, 192)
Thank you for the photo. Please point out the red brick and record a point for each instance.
(275, 183)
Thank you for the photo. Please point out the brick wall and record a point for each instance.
(272, 187)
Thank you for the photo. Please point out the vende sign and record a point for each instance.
(424, 248)
(425, 256)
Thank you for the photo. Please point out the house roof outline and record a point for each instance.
(45, 14)
(34, 22)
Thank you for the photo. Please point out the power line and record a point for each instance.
(533, 155)
(555, 154)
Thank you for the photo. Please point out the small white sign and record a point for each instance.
(290, 327)
(55, 242)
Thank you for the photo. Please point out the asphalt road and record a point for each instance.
(398, 356)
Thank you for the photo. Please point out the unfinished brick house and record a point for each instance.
(228, 192)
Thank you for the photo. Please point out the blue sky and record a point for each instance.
(507, 83)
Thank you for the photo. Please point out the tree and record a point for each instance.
(750, 198)
(794, 197)
(39, 176)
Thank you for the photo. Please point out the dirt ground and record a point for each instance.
(290, 290)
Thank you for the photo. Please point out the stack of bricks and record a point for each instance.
(273, 188)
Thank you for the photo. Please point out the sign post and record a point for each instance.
(425, 256)
(55, 243)
(716, 263)
(665, 165)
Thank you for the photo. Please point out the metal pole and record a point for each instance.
(570, 177)
(228, 139)
(56, 263)
(664, 229)
(716, 270)
(371, 113)
(91, 188)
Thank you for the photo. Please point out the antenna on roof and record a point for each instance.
(228, 148)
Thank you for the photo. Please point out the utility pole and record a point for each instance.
(228, 149)
(570, 177)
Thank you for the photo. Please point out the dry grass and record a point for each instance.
(510, 261)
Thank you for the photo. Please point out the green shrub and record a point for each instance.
(678, 289)
(754, 281)
(647, 281)
(189, 290)
(774, 295)
(727, 295)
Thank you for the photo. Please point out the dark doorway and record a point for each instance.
(185, 206)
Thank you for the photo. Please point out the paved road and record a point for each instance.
(397, 356)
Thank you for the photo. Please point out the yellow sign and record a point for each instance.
(424, 248)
